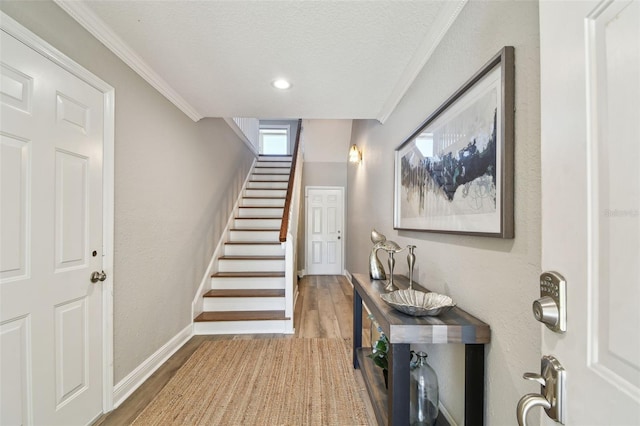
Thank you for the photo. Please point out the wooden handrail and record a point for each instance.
(287, 202)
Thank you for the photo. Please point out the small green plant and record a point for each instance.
(379, 349)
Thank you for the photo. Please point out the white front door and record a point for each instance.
(590, 103)
(324, 230)
(52, 227)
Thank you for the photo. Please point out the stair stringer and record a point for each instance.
(197, 306)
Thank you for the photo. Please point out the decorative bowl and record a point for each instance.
(418, 303)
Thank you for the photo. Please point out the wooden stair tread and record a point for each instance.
(252, 257)
(257, 217)
(261, 243)
(259, 207)
(241, 316)
(268, 181)
(264, 198)
(255, 229)
(248, 275)
(265, 189)
(246, 293)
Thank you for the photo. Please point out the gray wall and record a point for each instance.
(174, 191)
(493, 279)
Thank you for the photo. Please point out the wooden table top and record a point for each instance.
(454, 326)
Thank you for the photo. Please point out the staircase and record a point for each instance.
(247, 293)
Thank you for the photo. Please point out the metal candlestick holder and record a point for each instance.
(411, 261)
(392, 263)
(391, 248)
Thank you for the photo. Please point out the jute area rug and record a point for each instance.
(261, 382)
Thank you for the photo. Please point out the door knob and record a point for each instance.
(552, 391)
(98, 276)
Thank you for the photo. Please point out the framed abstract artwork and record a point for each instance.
(454, 174)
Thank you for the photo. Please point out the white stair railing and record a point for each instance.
(247, 129)
(289, 230)
(291, 246)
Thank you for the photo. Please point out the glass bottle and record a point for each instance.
(423, 392)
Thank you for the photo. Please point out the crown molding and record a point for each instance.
(443, 22)
(96, 26)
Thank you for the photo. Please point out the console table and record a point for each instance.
(455, 326)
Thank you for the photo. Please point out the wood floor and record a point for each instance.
(323, 309)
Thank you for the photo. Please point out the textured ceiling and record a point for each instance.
(345, 59)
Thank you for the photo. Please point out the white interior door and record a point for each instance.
(590, 103)
(324, 230)
(52, 229)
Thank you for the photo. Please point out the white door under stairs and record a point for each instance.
(247, 294)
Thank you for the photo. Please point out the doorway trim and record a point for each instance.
(344, 222)
(31, 40)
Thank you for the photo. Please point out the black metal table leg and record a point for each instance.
(357, 325)
(398, 392)
(474, 385)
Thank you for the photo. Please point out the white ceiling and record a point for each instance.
(345, 59)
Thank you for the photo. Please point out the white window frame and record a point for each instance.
(286, 127)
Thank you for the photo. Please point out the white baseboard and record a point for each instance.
(133, 380)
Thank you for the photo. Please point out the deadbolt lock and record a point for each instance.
(551, 308)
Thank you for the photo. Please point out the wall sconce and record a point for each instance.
(355, 155)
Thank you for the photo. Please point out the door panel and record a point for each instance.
(15, 359)
(16, 88)
(324, 231)
(613, 79)
(590, 103)
(52, 158)
(71, 210)
(71, 349)
(14, 251)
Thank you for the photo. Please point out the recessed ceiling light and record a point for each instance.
(281, 84)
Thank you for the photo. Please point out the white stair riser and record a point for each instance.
(271, 236)
(257, 223)
(285, 164)
(253, 250)
(266, 211)
(265, 193)
(240, 327)
(249, 283)
(263, 202)
(276, 158)
(272, 170)
(243, 304)
(267, 185)
(265, 176)
(249, 265)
